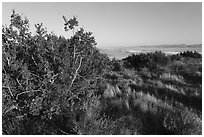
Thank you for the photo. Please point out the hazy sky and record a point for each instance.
(119, 24)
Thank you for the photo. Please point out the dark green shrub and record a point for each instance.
(117, 65)
(191, 54)
(151, 61)
(46, 77)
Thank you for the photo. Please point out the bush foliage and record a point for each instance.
(148, 60)
(46, 77)
(190, 54)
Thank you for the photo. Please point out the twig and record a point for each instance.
(11, 108)
(18, 81)
(9, 90)
(76, 72)
(34, 60)
(76, 60)
(59, 129)
(74, 96)
(26, 81)
(8, 87)
(74, 50)
(62, 131)
(7, 59)
(52, 79)
(26, 92)
(36, 75)
(76, 53)
(21, 116)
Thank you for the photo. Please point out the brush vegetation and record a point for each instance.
(56, 85)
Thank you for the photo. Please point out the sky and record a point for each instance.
(118, 23)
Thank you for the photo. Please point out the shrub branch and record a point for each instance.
(76, 73)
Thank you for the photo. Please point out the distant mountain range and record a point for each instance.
(122, 52)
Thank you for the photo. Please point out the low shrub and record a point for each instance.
(191, 54)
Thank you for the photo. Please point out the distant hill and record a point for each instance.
(121, 52)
